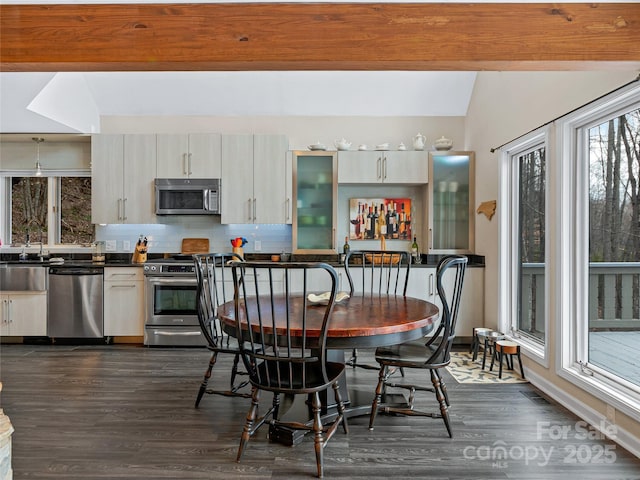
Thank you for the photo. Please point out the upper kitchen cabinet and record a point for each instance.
(395, 167)
(451, 202)
(253, 179)
(315, 193)
(195, 155)
(123, 168)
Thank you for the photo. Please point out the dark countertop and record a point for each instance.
(124, 260)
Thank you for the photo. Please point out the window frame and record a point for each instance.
(572, 242)
(54, 229)
(509, 261)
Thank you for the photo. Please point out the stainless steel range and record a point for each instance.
(171, 293)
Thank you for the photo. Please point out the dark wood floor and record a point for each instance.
(126, 412)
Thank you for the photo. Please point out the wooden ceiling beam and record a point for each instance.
(322, 36)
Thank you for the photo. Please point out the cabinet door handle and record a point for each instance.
(119, 209)
(430, 284)
(123, 286)
(379, 168)
(189, 164)
(287, 205)
(254, 208)
(5, 308)
(384, 168)
(185, 169)
(430, 239)
(250, 208)
(9, 316)
(124, 208)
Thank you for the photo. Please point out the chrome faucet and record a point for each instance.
(27, 242)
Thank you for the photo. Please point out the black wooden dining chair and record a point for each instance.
(432, 354)
(215, 287)
(286, 360)
(376, 272)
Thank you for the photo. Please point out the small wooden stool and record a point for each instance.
(506, 348)
(489, 338)
(475, 343)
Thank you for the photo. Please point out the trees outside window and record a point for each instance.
(56, 209)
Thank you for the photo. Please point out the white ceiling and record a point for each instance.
(74, 102)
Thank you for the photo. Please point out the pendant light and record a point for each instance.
(38, 141)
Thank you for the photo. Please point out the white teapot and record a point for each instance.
(342, 144)
(419, 141)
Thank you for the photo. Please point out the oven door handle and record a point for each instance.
(173, 332)
(177, 281)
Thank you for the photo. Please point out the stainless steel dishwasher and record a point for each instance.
(75, 302)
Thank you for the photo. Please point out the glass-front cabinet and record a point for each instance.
(315, 193)
(451, 202)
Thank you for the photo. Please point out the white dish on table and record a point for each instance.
(323, 298)
(382, 146)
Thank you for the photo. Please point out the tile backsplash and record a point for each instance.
(167, 237)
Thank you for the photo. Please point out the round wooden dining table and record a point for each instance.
(369, 320)
(361, 321)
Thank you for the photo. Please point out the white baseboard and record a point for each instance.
(594, 418)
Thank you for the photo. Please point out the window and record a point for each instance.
(599, 244)
(523, 239)
(612, 151)
(56, 209)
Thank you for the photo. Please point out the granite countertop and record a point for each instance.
(124, 260)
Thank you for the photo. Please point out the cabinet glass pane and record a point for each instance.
(314, 209)
(450, 202)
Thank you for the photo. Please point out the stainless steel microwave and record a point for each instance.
(187, 196)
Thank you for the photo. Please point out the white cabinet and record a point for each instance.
(23, 314)
(422, 284)
(253, 179)
(123, 168)
(123, 301)
(397, 167)
(195, 155)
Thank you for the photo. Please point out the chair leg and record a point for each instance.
(317, 433)
(354, 358)
(340, 404)
(443, 387)
(234, 372)
(252, 414)
(444, 409)
(378, 396)
(501, 358)
(207, 376)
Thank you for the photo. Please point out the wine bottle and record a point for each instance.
(376, 225)
(346, 247)
(382, 221)
(358, 221)
(414, 249)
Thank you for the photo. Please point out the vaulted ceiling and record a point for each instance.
(287, 58)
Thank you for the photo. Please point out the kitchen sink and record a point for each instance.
(19, 277)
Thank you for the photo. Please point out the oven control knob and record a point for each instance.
(153, 268)
(146, 268)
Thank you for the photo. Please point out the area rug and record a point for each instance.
(464, 370)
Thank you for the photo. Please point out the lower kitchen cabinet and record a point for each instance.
(422, 284)
(123, 301)
(23, 314)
